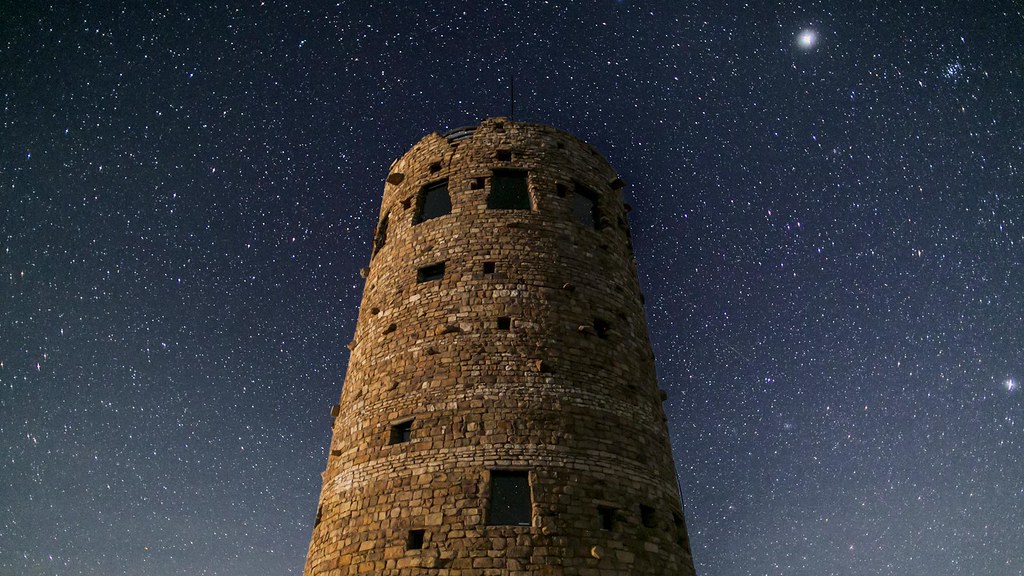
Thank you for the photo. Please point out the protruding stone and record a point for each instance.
(364, 272)
(587, 329)
(447, 329)
(391, 328)
(394, 178)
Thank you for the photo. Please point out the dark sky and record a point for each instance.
(828, 221)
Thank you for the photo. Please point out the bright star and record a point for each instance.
(1010, 384)
(807, 39)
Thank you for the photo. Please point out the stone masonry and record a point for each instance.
(501, 413)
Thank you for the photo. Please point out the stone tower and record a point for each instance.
(501, 413)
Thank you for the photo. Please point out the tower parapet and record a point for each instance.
(500, 413)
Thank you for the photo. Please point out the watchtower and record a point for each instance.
(501, 413)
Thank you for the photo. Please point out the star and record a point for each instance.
(1010, 384)
(807, 39)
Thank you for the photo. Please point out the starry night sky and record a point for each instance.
(828, 220)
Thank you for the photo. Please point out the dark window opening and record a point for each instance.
(381, 237)
(401, 432)
(433, 201)
(647, 516)
(406, 203)
(488, 267)
(584, 207)
(606, 514)
(430, 273)
(477, 183)
(319, 515)
(503, 155)
(435, 167)
(682, 537)
(415, 540)
(561, 189)
(511, 502)
(509, 190)
(560, 146)
(499, 127)
(601, 327)
(504, 323)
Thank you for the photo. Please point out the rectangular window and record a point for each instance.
(606, 515)
(601, 327)
(415, 540)
(647, 516)
(430, 273)
(504, 323)
(511, 503)
(401, 432)
(584, 206)
(433, 201)
(509, 190)
(488, 267)
(381, 236)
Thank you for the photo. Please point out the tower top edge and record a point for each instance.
(497, 124)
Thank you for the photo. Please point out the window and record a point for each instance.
(647, 516)
(584, 206)
(601, 327)
(401, 432)
(509, 190)
(415, 540)
(511, 502)
(606, 515)
(430, 273)
(504, 323)
(382, 234)
(681, 536)
(435, 167)
(488, 267)
(433, 201)
(503, 155)
(319, 515)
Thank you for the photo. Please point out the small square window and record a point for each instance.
(509, 190)
(601, 327)
(414, 541)
(488, 267)
(503, 155)
(477, 183)
(504, 323)
(511, 503)
(435, 167)
(401, 432)
(430, 273)
(647, 516)
(606, 515)
(561, 190)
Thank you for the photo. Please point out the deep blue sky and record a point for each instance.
(829, 236)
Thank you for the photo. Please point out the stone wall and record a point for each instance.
(530, 353)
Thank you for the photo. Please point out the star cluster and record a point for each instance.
(828, 222)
